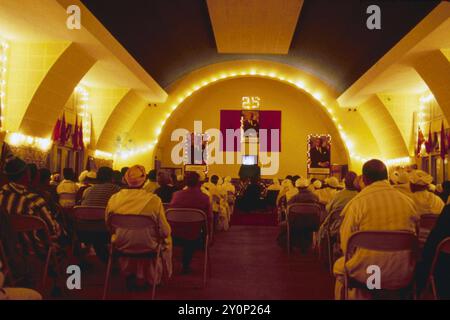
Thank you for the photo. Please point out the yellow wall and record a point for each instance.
(28, 64)
(301, 115)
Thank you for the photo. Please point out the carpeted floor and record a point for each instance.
(257, 218)
(246, 264)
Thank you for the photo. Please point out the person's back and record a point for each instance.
(166, 188)
(99, 194)
(378, 207)
(136, 201)
(304, 196)
(425, 201)
(67, 189)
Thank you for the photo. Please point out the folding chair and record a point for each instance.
(426, 224)
(23, 224)
(131, 222)
(72, 197)
(388, 241)
(443, 247)
(309, 210)
(87, 223)
(188, 224)
(5, 265)
(166, 206)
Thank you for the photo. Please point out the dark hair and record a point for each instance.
(44, 176)
(69, 174)
(295, 178)
(104, 174)
(349, 180)
(33, 169)
(214, 179)
(374, 170)
(117, 177)
(151, 175)
(192, 179)
(124, 170)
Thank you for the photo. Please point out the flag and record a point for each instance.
(62, 131)
(80, 136)
(435, 142)
(429, 143)
(420, 141)
(443, 146)
(75, 145)
(56, 131)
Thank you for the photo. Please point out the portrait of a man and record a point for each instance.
(319, 152)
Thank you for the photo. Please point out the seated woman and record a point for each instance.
(302, 237)
(136, 200)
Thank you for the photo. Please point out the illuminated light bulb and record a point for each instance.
(174, 107)
(253, 72)
(334, 119)
(214, 79)
(205, 83)
(223, 76)
(233, 74)
(180, 100)
(281, 78)
(272, 74)
(262, 74)
(317, 95)
(300, 84)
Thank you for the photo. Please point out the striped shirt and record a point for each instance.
(99, 194)
(16, 199)
(378, 207)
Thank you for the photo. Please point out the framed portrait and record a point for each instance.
(250, 125)
(319, 154)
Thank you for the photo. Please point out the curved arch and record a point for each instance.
(54, 90)
(355, 144)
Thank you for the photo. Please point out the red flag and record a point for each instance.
(56, 131)
(75, 145)
(62, 131)
(80, 136)
(443, 146)
(420, 141)
(429, 143)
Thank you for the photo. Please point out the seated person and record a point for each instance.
(442, 277)
(67, 189)
(402, 183)
(301, 229)
(252, 196)
(151, 184)
(425, 201)
(377, 207)
(327, 194)
(166, 188)
(333, 220)
(16, 199)
(228, 186)
(192, 197)
(16, 293)
(137, 201)
(83, 184)
(99, 194)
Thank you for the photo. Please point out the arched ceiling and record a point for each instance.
(172, 38)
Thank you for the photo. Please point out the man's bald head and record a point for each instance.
(373, 171)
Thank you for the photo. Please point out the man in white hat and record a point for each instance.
(403, 183)
(327, 194)
(301, 233)
(425, 201)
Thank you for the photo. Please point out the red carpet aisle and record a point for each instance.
(246, 264)
(254, 218)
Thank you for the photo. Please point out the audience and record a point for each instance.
(332, 223)
(228, 186)
(99, 194)
(302, 227)
(445, 191)
(166, 189)
(425, 201)
(442, 275)
(377, 207)
(135, 200)
(403, 183)
(192, 197)
(275, 186)
(151, 184)
(327, 194)
(67, 189)
(117, 178)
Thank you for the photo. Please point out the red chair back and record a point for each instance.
(310, 211)
(89, 219)
(382, 241)
(187, 223)
(427, 221)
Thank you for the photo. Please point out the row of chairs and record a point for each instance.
(85, 220)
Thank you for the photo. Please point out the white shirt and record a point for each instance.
(67, 187)
(378, 207)
(427, 202)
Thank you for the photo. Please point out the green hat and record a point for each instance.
(14, 166)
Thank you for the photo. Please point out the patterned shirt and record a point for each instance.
(99, 194)
(378, 207)
(16, 199)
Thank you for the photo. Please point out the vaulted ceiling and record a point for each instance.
(171, 38)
